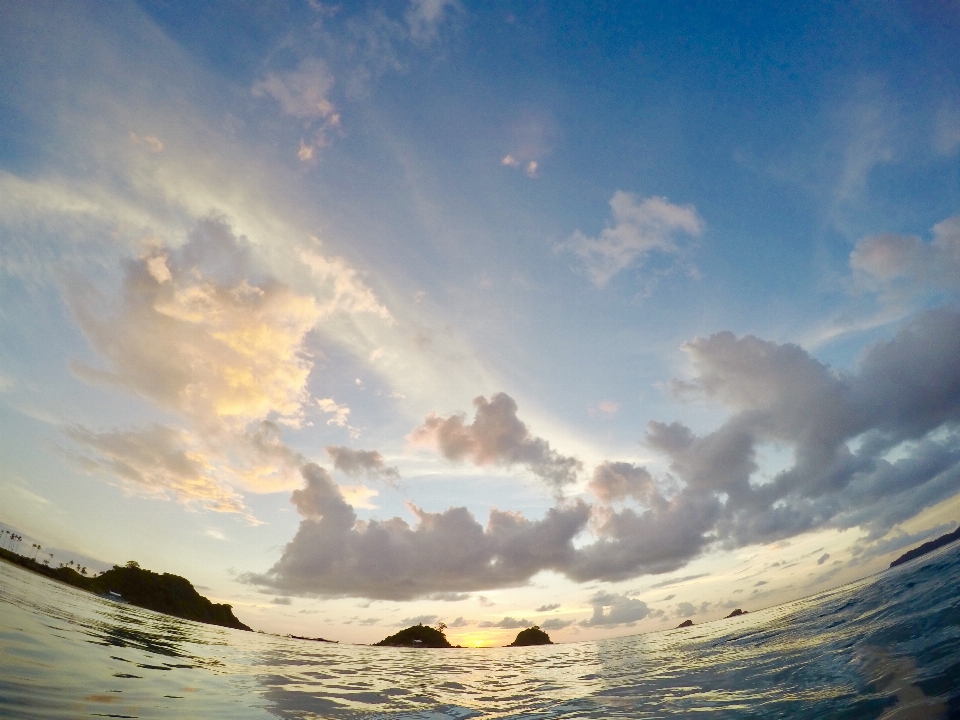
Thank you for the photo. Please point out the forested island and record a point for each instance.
(927, 547)
(166, 593)
(424, 636)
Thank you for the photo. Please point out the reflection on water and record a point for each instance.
(887, 647)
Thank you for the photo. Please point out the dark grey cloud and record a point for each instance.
(548, 608)
(508, 623)
(555, 624)
(498, 437)
(840, 426)
(333, 554)
(460, 622)
(418, 620)
(615, 609)
(362, 462)
(823, 558)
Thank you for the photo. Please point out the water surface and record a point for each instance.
(885, 647)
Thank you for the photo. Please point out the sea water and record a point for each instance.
(884, 647)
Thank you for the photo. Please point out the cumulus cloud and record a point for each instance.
(823, 558)
(362, 462)
(613, 481)
(202, 332)
(871, 448)
(841, 428)
(460, 622)
(548, 608)
(497, 437)
(889, 259)
(508, 623)
(638, 229)
(555, 624)
(615, 609)
(334, 554)
(304, 93)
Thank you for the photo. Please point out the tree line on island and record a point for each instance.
(165, 593)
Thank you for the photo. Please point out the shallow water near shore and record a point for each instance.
(884, 647)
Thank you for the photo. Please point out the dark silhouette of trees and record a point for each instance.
(531, 636)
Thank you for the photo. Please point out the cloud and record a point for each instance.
(871, 448)
(615, 609)
(555, 624)
(340, 413)
(158, 461)
(841, 428)
(152, 143)
(889, 260)
(685, 609)
(304, 94)
(615, 481)
(823, 558)
(201, 332)
(281, 601)
(508, 623)
(418, 620)
(497, 437)
(424, 17)
(460, 622)
(192, 334)
(639, 228)
(362, 462)
(334, 554)
(340, 288)
(548, 608)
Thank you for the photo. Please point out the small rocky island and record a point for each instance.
(685, 623)
(418, 635)
(736, 613)
(927, 547)
(531, 636)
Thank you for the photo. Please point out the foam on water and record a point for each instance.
(885, 647)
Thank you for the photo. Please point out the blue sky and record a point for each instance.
(356, 314)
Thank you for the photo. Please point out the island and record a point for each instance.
(419, 635)
(927, 547)
(685, 623)
(166, 593)
(736, 613)
(531, 636)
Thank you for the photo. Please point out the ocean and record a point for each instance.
(884, 647)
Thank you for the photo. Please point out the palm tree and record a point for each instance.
(38, 547)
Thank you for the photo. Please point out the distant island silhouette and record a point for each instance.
(166, 593)
(531, 636)
(927, 547)
(685, 623)
(418, 635)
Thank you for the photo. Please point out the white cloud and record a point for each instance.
(638, 229)
(889, 260)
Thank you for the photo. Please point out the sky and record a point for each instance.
(596, 316)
